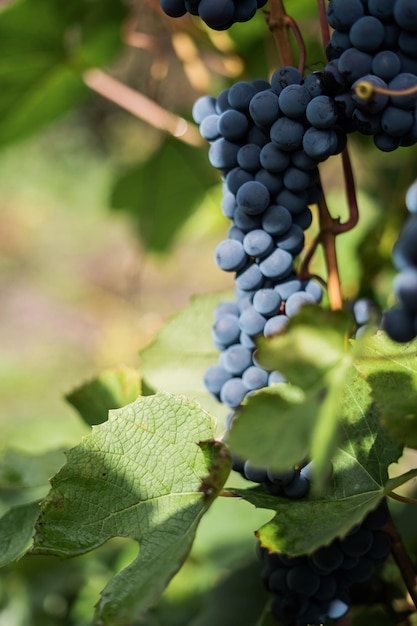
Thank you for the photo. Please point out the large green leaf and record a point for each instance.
(161, 193)
(23, 483)
(182, 351)
(313, 354)
(46, 45)
(391, 371)
(112, 389)
(359, 481)
(143, 475)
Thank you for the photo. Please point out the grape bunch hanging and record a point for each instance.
(267, 139)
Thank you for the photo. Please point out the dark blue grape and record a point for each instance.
(272, 182)
(173, 8)
(385, 142)
(209, 129)
(230, 255)
(353, 64)
(386, 65)
(296, 179)
(321, 112)
(287, 134)
(225, 308)
(245, 10)
(226, 330)
(276, 220)
(367, 33)
(366, 123)
(236, 359)
(273, 159)
(251, 322)
(275, 325)
(314, 83)
(250, 278)
(264, 108)
(407, 43)
(232, 125)
(255, 378)
(320, 144)
(246, 222)
(203, 106)
(358, 542)
(303, 219)
(222, 102)
(405, 80)
(405, 13)
(378, 101)
(284, 76)
(277, 265)
(223, 154)
(233, 392)
(396, 122)
(248, 157)
(399, 325)
(252, 198)
(267, 301)
(296, 301)
(240, 94)
(228, 204)
(297, 488)
(341, 14)
(235, 178)
(292, 240)
(215, 377)
(254, 473)
(328, 558)
(258, 243)
(338, 43)
(293, 100)
(235, 233)
(217, 14)
(294, 202)
(382, 9)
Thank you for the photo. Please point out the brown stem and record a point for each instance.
(324, 27)
(142, 107)
(328, 241)
(350, 194)
(402, 560)
(403, 499)
(279, 26)
(300, 42)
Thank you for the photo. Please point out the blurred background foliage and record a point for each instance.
(108, 224)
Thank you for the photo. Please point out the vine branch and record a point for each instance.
(279, 26)
(402, 560)
(142, 107)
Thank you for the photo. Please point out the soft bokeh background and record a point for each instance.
(82, 289)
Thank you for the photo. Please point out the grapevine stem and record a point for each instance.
(403, 499)
(324, 27)
(403, 560)
(328, 241)
(142, 107)
(279, 25)
(300, 41)
(350, 194)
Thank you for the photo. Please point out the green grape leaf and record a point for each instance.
(182, 351)
(112, 389)
(140, 475)
(391, 371)
(23, 483)
(284, 416)
(16, 531)
(162, 192)
(313, 355)
(46, 47)
(359, 481)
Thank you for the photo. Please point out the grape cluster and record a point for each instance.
(375, 41)
(400, 322)
(217, 14)
(310, 589)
